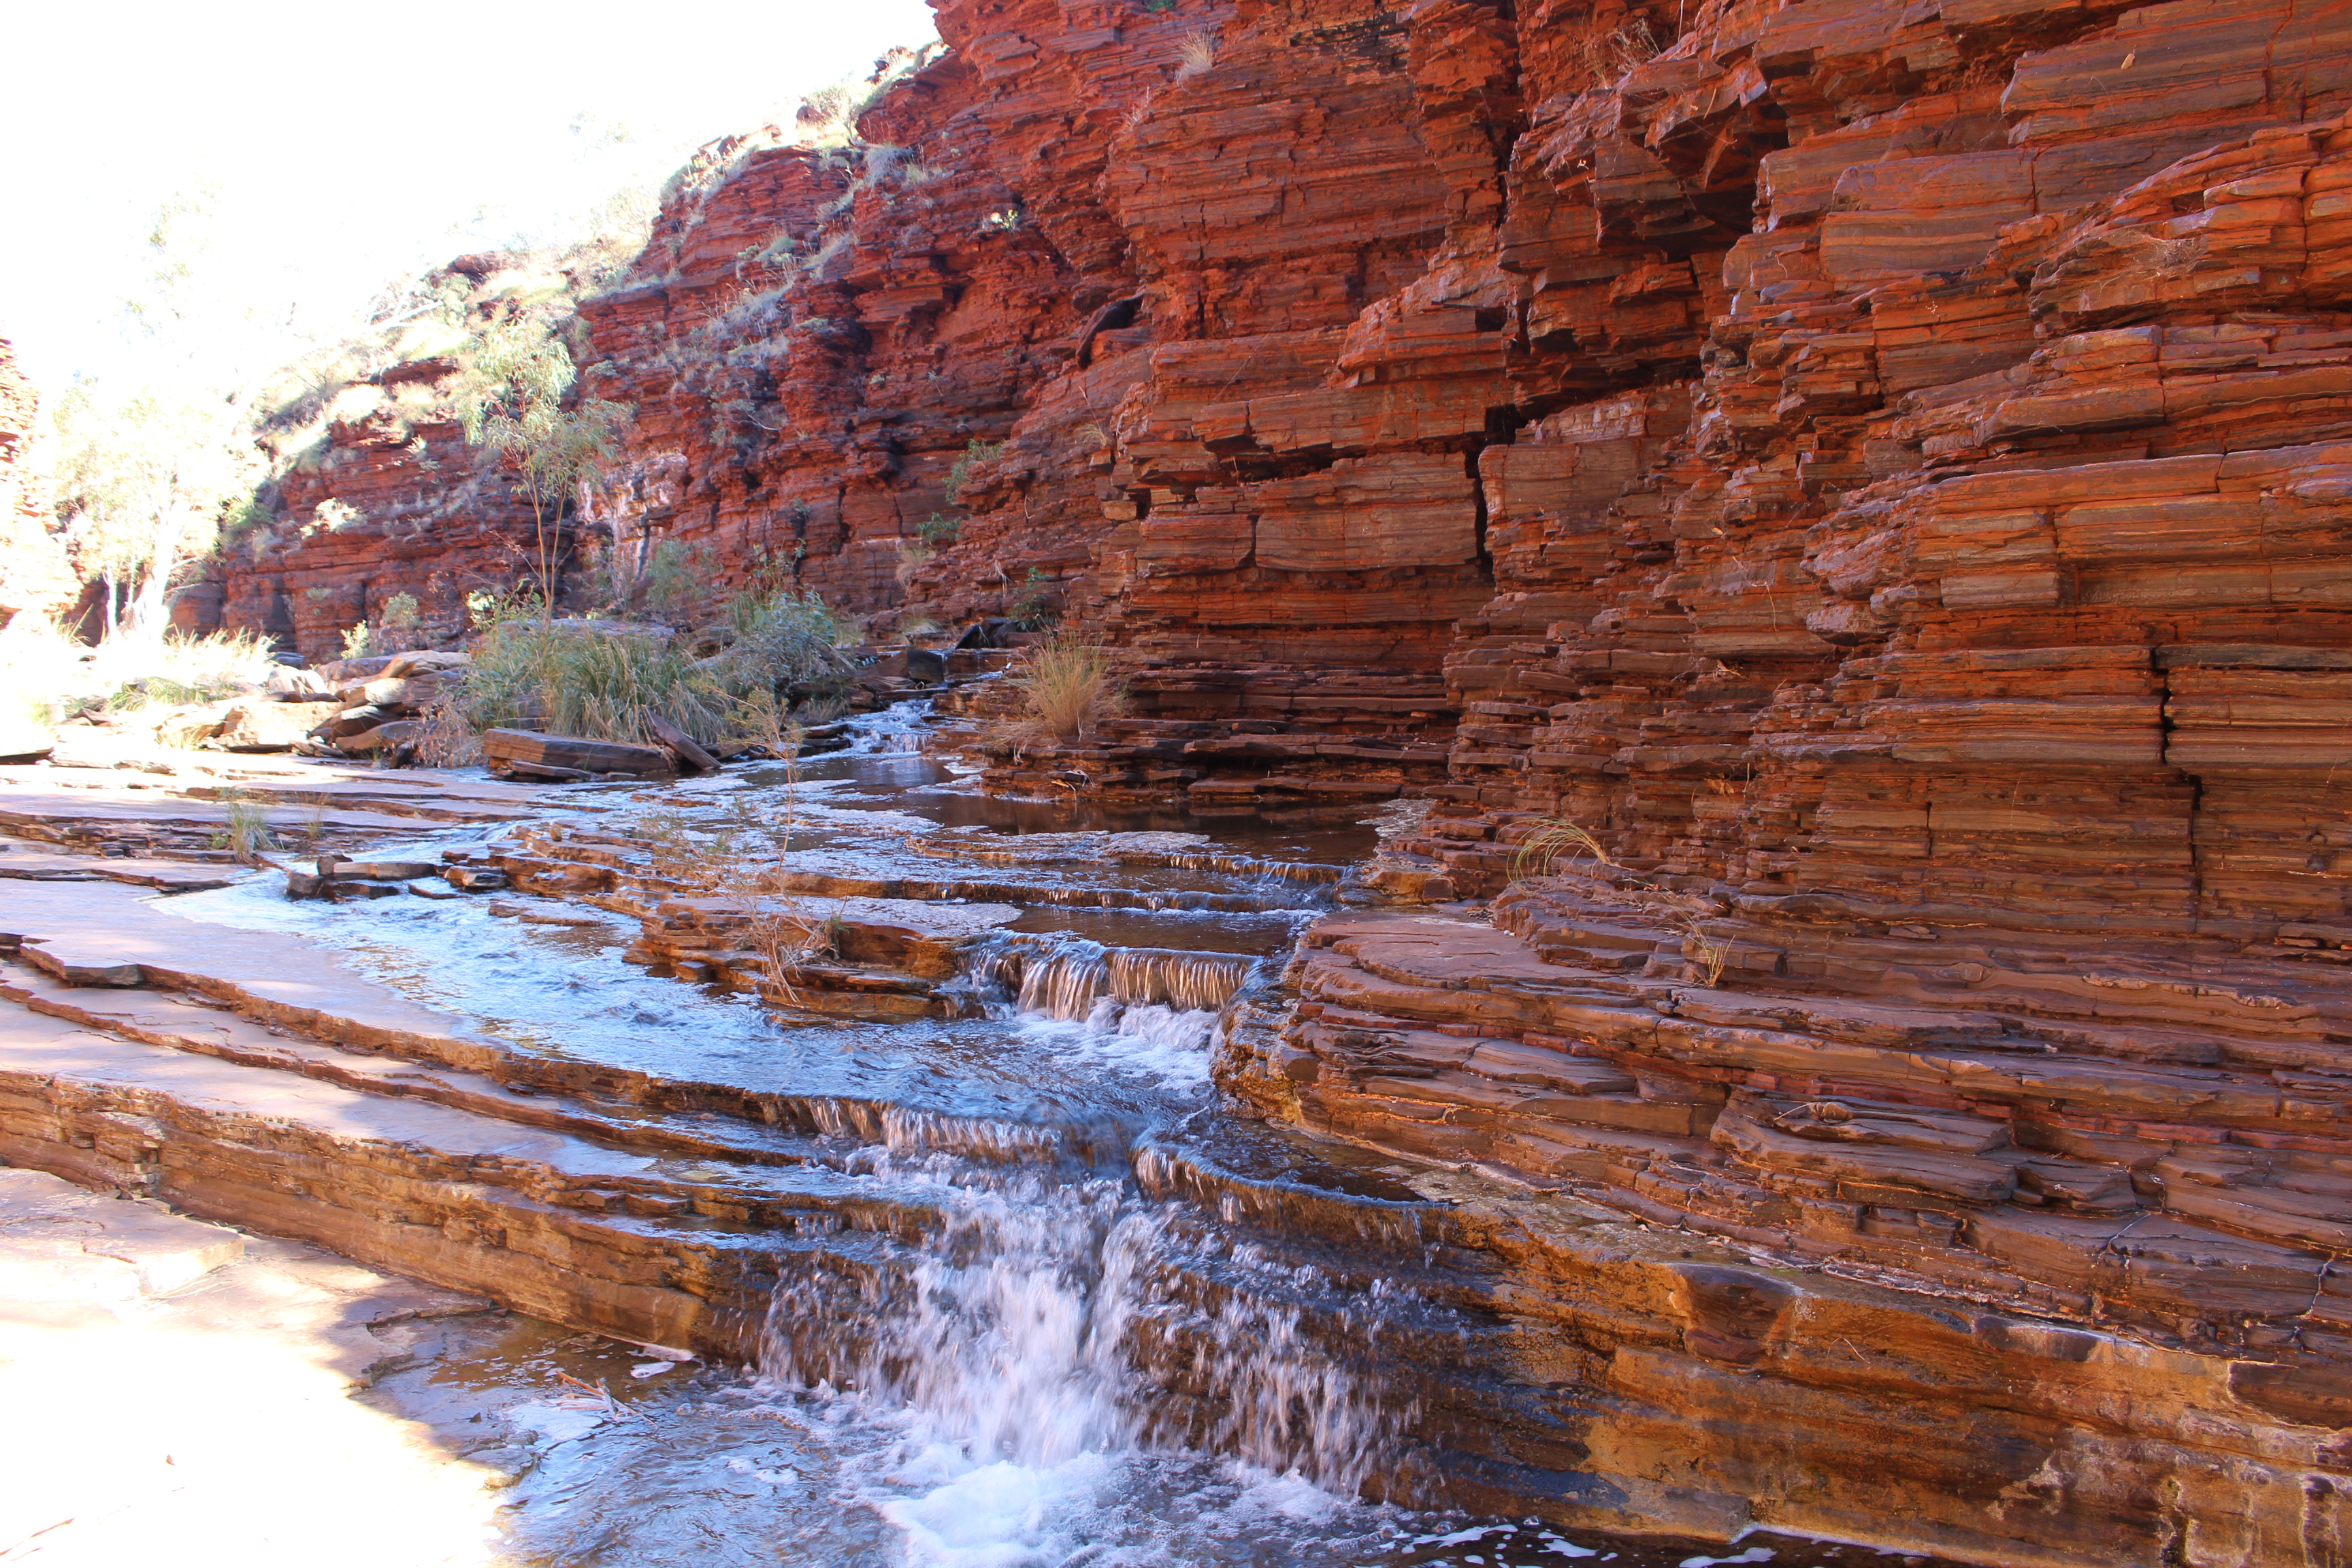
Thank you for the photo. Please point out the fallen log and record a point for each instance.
(508, 748)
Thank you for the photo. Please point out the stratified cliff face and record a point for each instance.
(1861, 476)
(33, 571)
(387, 498)
(1844, 509)
(1907, 735)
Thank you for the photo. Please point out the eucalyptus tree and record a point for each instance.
(149, 458)
(510, 401)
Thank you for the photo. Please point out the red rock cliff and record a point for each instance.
(1845, 511)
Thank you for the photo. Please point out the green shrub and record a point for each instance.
(675, 577)
(248, 833)
(582, 681)
(1030, 612)
(977, 453)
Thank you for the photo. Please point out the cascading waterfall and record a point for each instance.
(1050, 1319)
(1022, 1330)
(1068, 978)
(1151, 1010)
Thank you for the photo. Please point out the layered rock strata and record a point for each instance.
(1545, 1355)
(379, 495)
(1911, 799)
(1870, 484)
(1939, 763)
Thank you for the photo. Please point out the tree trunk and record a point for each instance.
(164, 559)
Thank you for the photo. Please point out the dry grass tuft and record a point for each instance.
(1069, 687)
(247, 833)
(47, 673)
(1609, 57)
(1195, 53)
(1556, 840)
(1552, 839)
(1709, 951)
(446, 740)
(786, 938)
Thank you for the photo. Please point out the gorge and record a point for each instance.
(1723, 897)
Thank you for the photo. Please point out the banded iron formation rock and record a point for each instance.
(1845, 511)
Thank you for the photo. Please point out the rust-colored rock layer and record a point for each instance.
(1846, 510)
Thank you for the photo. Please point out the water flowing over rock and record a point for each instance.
(1830, 519)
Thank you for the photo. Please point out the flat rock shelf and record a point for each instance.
(889, 1113)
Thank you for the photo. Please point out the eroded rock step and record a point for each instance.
(2000, 1153)
(1543, 1355)
(1548, 1354)
(911, 945)
(99, 938)
(425, 1175)
(653, 1219)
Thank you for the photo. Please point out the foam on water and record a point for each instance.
(1059, 1369)
(1017, 1382)
(1149, 1038)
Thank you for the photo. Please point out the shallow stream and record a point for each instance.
(1104, 1323)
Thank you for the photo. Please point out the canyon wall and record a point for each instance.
(1841, 511)
(378, 493)
(34, 574)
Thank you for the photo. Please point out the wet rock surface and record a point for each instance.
(955, 1185)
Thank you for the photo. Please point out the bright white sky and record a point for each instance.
(347, 145)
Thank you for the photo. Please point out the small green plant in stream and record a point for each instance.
(246, 833)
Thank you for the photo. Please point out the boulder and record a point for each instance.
(261, 724)
(391, 735)
(289, 685)
(343, 671)
(576, 753)
(427, 662)
(189, 726)
(920, 666)
(688, 752)
(402, 694)
(388, 871)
